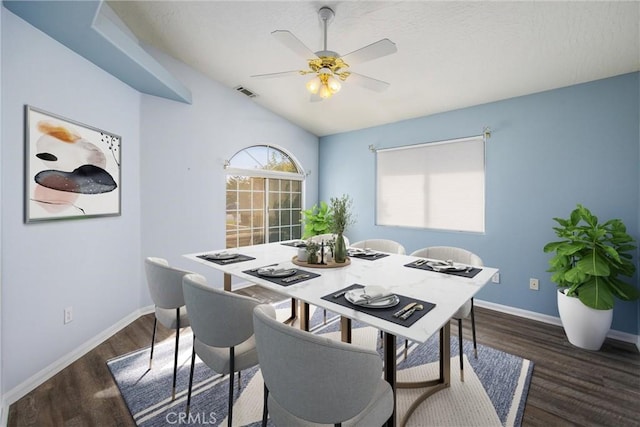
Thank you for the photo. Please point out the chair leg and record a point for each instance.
(406, 347)
(324, 317)
(473, 331)
(153, 339)
(239, 380)
(193, 359)
(231, 373)
(265, 409)
(460, 347)
(175, 355)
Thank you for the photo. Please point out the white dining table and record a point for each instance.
(448, 292)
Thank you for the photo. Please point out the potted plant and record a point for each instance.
(312, 252)
(340, 220)
(316, 220)
(587, 266)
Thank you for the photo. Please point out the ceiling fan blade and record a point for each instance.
(273, 75)
(292, 42)
(368, 82)
(375, 50)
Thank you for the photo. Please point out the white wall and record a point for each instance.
(173, 195)
(92, 264)
(183, 149)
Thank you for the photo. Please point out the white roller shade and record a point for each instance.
(438, 185)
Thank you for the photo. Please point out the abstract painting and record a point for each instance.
(72, 170)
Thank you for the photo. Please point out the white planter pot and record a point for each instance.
(585, 327)
(302, 254)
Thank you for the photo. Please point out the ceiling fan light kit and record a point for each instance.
(329, 67)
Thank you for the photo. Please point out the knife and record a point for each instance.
(408, 314)
(294, 278)
(404, 309)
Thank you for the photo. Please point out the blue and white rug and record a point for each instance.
(493, 393)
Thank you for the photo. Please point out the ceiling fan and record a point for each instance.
(328, 66)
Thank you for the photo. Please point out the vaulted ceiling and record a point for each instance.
(450, 54)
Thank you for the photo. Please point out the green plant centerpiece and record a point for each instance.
(591, 258)
(340, 220)
(316, 220)
(588, 266)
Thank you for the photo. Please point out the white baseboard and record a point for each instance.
(43, 375)
(553, 320)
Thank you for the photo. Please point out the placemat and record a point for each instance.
(239, 258)
(370, 257)
(300, 276)
(382, 313)
(463, 273)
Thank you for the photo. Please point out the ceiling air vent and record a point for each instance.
(245, 91)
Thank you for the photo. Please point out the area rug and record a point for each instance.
(493, 393)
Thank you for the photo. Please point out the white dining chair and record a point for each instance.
(380, 245)
(165, 286)
(309, 378)
(461, 256)
(222, 325)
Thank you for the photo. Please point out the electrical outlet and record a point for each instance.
(495, 278)
(68, 315)
(533, 284)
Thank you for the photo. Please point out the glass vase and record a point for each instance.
(340, 249)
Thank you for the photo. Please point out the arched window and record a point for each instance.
(264, 197)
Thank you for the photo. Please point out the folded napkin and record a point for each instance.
(272, 270)
(372, 293)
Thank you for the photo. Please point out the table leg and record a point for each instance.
(294, 312)
(390, 371)
(435, 385)
(304, 316)
(227, 282)
(345, 329)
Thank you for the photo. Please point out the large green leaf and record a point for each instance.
(623, 290)
(570, 248)
(595, 293)
(593, 264)
(575, 275)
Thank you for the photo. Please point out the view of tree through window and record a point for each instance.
(264, 197)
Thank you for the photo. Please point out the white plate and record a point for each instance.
(360, 251)
(278, 272)
(221, 256)
(356, 294)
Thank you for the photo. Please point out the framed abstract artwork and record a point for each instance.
(72, 170)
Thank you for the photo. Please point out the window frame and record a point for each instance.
(269, 176)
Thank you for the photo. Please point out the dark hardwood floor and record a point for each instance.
(569, 386)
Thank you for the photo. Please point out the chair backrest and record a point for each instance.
(382, 245)
(460, 255)
(328, 236)
(164, 282)
(218, 318)
(313, 377)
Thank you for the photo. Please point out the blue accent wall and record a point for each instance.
(547, 152)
